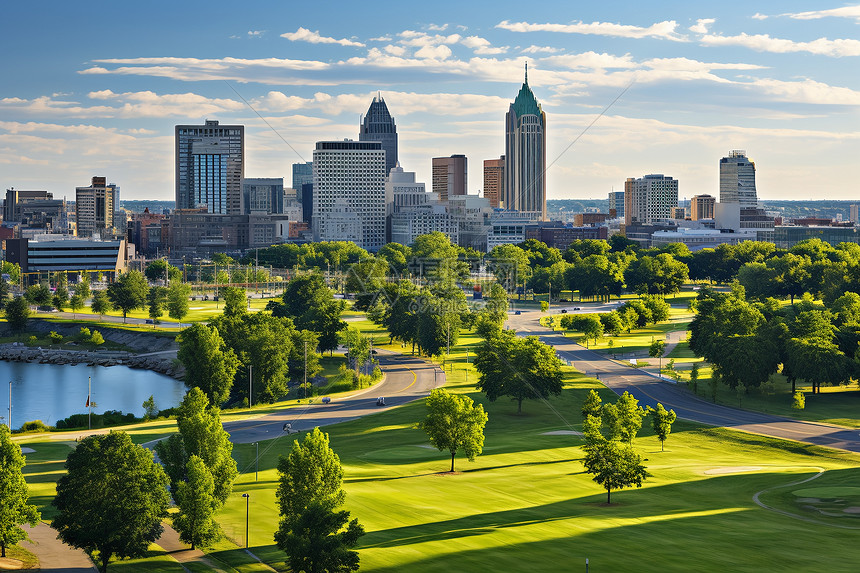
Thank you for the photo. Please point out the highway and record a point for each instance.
(649, 391)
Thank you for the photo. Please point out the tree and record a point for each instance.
(128, 292)
(14, 507)
(612, 323)
(630, 416)
(76, 303)
(160, 270)
(510, 265)
(112, 498)
(156, 298)
(235, 301)
(61, 296)
(17, 313)
(200, 434)
(38, 295)
(455, 424)
(101, 303)
(614, 466)
(312, 306)
(197, 504)
(520, 368)
(592, 405)
(656, 350)
(208, 364)
(661, 421)
(310, 489)
(177, 301)
(150, 410)
(82, 289)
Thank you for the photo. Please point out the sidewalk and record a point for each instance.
(54, 555)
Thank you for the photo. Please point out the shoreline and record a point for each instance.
(20, 352)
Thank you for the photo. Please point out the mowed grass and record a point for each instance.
(526, 503)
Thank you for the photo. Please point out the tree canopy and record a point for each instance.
(209, 365)
(128, 292)
(15, 509)
(454, 423)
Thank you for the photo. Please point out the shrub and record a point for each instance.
(799, 401)
(84, 335)
(33, 341)
(97, 338)
(55, 337)
(35, 426)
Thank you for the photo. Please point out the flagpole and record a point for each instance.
(10, 406)
(89, 403)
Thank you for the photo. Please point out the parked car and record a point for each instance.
(564, 311)
(576, 308)
(517, 312)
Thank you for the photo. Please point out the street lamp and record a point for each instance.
(247, 497)
(257, 463)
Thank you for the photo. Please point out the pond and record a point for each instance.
(51, 392)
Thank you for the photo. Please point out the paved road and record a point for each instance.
(54, 556)
(649, 390)
(406, 379)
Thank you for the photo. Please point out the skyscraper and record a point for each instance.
(649, 198)
(737, 180)
(702, 207)
(449, 176)
(525, 154)
(378, 125)
(494, 180)
(302, 173)
(210, 164)
(349, 193)
(616, 201)
(94, 207)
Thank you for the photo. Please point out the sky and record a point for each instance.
(96, 88)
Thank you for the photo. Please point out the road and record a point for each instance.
(406, 378)
(649, 390)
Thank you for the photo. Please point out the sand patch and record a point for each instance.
(10, 564)
(731, 470)
(562, 433)
(26, 450)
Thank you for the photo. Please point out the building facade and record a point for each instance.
(449, 176)
(649, 198)
(378, 125)
(302, 173)
(349, 181)
(94, 208)
(494, 180)
(210, 165)
(263, 195)
(50, 254)
(702, 207)
(616, 202)
(737, 179)
(525, 155)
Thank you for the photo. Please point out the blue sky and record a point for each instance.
(95, 88)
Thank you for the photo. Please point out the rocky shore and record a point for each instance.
(164, 363)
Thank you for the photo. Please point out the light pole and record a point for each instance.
(257, 463)
(247, 497)
(305, 385)
(89, 402)
(10, 406)
(250, 385)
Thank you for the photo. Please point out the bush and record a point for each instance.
(35, 426)
(105, 419)
(799, 401)
(55, 337)
(97, 338)
(84, 335)
(32, 341)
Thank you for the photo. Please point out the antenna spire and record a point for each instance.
(527, 72)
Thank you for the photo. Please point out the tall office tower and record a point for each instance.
(449, 176)
(263, 195)
(402, 192)
(854, 211)
(349, 190)
(525, 155)
(94, 208)
(494, 180)
(210, 164)
(702, 207)
(649, 198)
(616, 201)
(737, 179)
(378, 125)
(302, 173)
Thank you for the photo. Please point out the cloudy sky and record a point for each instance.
(95, 88)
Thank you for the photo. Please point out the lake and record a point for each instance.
(51, 392)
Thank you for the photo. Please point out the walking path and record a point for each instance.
(54, 555)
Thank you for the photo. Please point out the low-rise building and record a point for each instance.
(50, 253)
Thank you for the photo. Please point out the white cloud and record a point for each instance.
(305, 35)
(482, 46)
(701, 25)
(422, 39)
(437, 28)
(765, 43)
(664, 30)
(592, 60)
(807, 91)
(381, 39)
(759, 16)
(538, 49)
(852, 12)
(434, 52)
(256, 33)
(395, 50)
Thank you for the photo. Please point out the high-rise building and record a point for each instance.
(403, 192)
(702, 207)
(525, 155)
(449, 176)
(650, 198)
(302, 173)
(616, 201)
(494, 180)
(378, 125)
(737, 179)
(263, 196)
(94, 208)
(210, 164)
(853, 213)
(349, 183)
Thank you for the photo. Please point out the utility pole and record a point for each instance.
(305, 385)
(257, 463)
(250, 385)
(89, 401)
(448, 351)
(10, 406)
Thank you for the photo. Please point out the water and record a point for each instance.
(51, 392)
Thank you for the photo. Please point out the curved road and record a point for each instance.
(649, 390)
(406, 378)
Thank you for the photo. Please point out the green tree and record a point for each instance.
(150, 410)
(630, 416)
(160, 270)
(455, 424)
(510, 265)
(197, 505)
(520, 368)
(798, 400)
(155, 298)
(656, 350)
(61, 296)
(112, 498)
(661, 421)
(128, 292)
(319, 542)
(235, 301)
(14, 507)
(396, 255)
(592, 405)
(177, 301)
(76, 303)
(694, 377)
(612, 323)
(200, 434)
(82, 289)
(312, 306)
(17, 313)
(38, 295)
(614, 465)
(101, 303)
(208, 364)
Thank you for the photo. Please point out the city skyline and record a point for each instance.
(772, 78)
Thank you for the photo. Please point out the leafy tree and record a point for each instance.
(61, 296)
(112, 498)
(160, 270)
(235, 301)
(612, 323)
(156, 297)
(39, 294)
(312, 306)
(657, 348)
(200, 434)
(4, 293)
(208, 364)
(76, 303)
(396, 255)
(614, 465)
(798, 400)
(582, 248)
(658, 306)
(17, 313)
(817, 360)
(318, 541)
(150, 410)
(847, 309)
(694, 377)
(223, 259)
(197, 505)
(11, 269)
(128, 292)
(101, 303)
(177, 301)
(520, 368)
(14, 507)
(661, 421)
(455, 424)
(510, 265)
(630, 416)
(661, 274)
(82, 289)
(592, 405)
(539, 254)
(97, 338)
